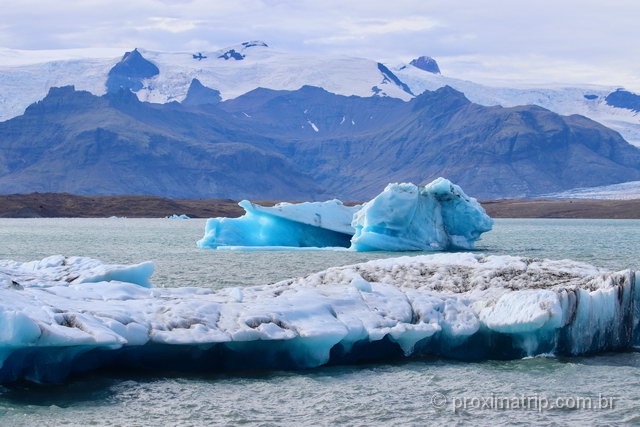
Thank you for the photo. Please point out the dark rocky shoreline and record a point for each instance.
(59, 205)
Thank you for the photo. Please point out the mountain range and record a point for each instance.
(303, 144)
(201, 126)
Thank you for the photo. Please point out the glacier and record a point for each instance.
(624, 191)
(63, 316)
(404, 217)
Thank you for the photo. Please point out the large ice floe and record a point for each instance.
(66, 315)
(404, 217)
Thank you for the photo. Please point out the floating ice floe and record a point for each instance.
(61, 316)
(176, 216)
(404, 217)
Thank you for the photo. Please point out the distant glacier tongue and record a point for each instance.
(62, 315)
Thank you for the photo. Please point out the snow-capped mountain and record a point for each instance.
(592, 101)
(233, 71)
(239, 69)
(307, 144)
(26, 77)
(250, 96)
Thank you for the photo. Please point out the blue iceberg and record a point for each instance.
(309, 224)
(438, 216)
(404, 217)
(67, 315)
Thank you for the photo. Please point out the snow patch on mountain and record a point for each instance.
(313, 126)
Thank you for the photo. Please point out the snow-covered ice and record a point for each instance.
(66, 315)
(404, 217)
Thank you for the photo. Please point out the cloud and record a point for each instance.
(172, 25)
(388, 26)
(349, 30)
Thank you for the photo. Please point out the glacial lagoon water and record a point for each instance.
(600, 389)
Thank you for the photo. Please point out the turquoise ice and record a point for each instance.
(404, 217)
(438, 216)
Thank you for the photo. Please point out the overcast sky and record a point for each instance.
(567, 41)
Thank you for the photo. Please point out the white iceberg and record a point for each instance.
(61, 316)
(176, 216)
(404, 217)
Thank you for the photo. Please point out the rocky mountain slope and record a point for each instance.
(304, 144)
